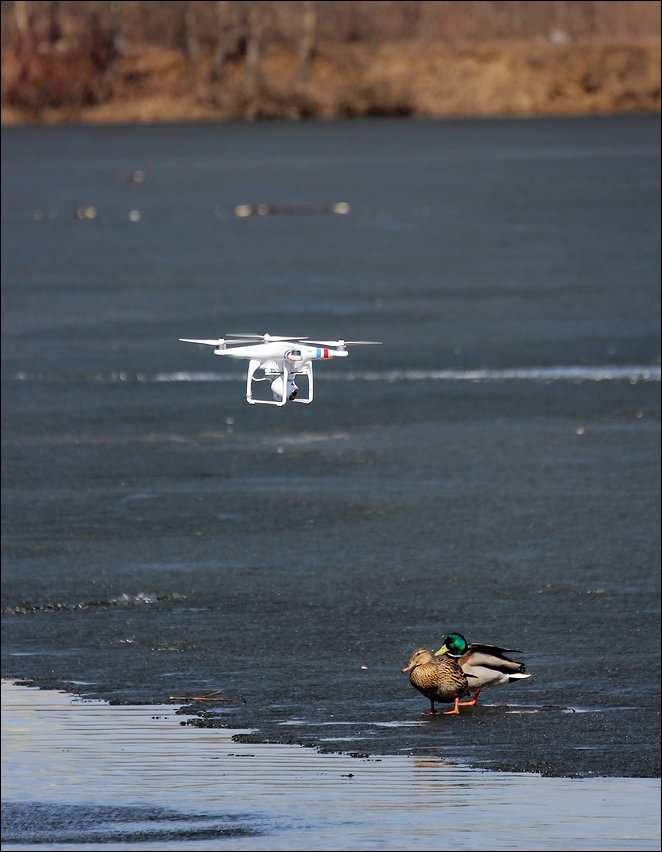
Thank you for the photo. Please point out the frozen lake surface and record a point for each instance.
(492, 469)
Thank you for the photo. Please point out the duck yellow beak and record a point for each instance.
(442, 650)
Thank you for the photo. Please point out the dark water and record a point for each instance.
(294, 558)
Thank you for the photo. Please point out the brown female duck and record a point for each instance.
(440, 680)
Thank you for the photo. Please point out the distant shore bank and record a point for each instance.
(126, 62)
(416, 79)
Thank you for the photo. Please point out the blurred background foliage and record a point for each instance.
(144, 60)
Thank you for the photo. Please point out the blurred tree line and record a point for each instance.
(57, 52)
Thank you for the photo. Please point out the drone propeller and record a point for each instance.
(218, 342)
(249, 336)
(266, 338)
(206, 342)
(346, 342)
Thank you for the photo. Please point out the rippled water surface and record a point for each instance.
(88, 776)
(492, 468)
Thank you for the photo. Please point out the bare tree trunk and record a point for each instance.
(190, 28)
(22, 15)
(117, 36)
(307, 46)
(253, 45)
(54, 30)
(116, 46)
(222, 45)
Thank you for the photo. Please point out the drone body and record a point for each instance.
(280, 360)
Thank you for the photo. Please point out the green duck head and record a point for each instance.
(454, 645)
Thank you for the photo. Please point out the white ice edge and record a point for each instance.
(633, 373)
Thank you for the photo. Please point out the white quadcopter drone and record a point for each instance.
(279, 359)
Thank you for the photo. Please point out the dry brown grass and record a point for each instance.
(420, 79)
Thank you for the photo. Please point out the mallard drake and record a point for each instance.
(484, 665)
(439, 680)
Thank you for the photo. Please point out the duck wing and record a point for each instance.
(491, 657)
(492, 649)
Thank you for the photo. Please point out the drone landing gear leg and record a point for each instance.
(252, 367)
(307, 371)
